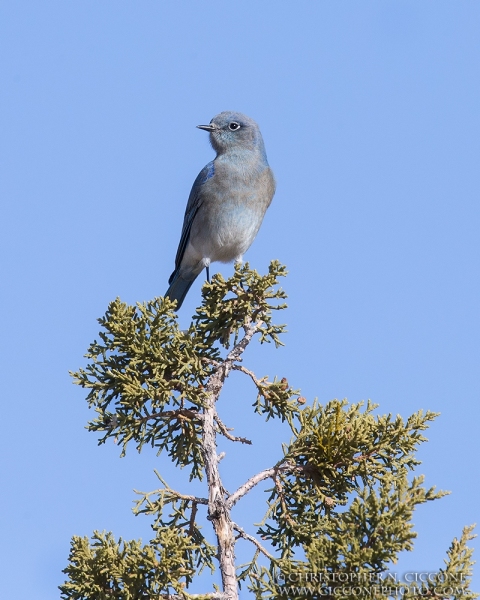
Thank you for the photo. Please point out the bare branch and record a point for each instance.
(211, 361)
(191, 526)
(221, 372)
(180, 413)
(229, 436)
(251, 374)
(250, 330)
(168, 490)
(281, 496)
(194, 499)
(223, 368)
(248, 485)
(256, 479)
(218, 512)
(210, 596)
(254, 541)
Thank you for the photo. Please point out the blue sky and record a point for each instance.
(370, 115)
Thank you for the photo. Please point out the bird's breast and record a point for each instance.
(234, 202)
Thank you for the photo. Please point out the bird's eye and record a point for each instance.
(234, 126)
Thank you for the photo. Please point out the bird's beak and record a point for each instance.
(207, 127)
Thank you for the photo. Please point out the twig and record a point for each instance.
(172, 414)
(191, 526)
(250, 538)
(212, 361)
(217, 380)
(194, 499)
(229, 436)
(257, 382)
(210, 596)
(248, 485)
(256, 479)
(168, 490)
(281, 496)
(250, 329)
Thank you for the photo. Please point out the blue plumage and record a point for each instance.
(227, 202)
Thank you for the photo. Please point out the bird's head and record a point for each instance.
(230, 131)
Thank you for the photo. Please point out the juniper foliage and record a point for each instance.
(340, 498)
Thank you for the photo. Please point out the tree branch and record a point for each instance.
(254, 541)
(210, 596)
(168, 490)
(250, 330)
(248, 485)
(194, 499)
(218, 510)
(257, 382)
(191, 525)
(256, 479)
(172, 414)
(229, 436)
(281, 496)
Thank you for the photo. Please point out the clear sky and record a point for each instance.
(370, 115)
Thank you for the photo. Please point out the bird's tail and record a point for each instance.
(178, 288)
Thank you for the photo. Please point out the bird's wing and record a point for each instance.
(194, 202)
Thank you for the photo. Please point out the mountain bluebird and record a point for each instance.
(227, 203)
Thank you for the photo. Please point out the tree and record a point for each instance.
(341, 497)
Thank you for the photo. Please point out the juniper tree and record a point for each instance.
(340, 497)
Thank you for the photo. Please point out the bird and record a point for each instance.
(227, 203)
